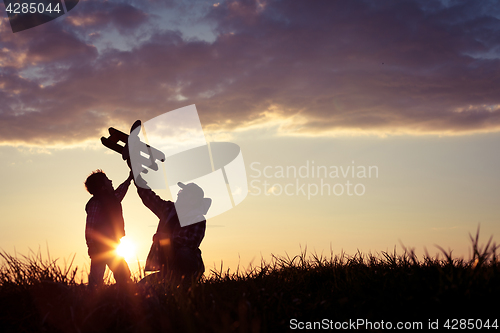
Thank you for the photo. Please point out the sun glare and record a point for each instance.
(126, 249)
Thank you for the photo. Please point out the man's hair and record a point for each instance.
(94, 181)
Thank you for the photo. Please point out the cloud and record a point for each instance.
(105, 14)
(321, 67)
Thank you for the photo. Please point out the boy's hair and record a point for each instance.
(94, 181)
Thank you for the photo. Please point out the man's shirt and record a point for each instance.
(188, 236)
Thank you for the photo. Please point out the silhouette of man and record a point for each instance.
(175, 251)
(105, 227)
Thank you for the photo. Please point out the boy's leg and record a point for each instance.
(97, 268)
(120, 269)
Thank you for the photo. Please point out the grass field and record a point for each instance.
(286, 294)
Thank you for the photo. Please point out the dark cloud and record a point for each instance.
(107, 14)
(389, 66)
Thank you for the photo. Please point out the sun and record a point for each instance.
(126, 249)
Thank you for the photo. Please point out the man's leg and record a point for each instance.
(188, 263)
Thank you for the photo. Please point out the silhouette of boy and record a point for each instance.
(175, 251)
(105, 227)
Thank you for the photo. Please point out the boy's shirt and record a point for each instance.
(105, 219)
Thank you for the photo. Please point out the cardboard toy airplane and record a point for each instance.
(116, 136)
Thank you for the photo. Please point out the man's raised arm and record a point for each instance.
(151, 200)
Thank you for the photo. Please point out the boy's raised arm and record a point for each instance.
(123, 188)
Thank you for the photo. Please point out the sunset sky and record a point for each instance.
(408, 88)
